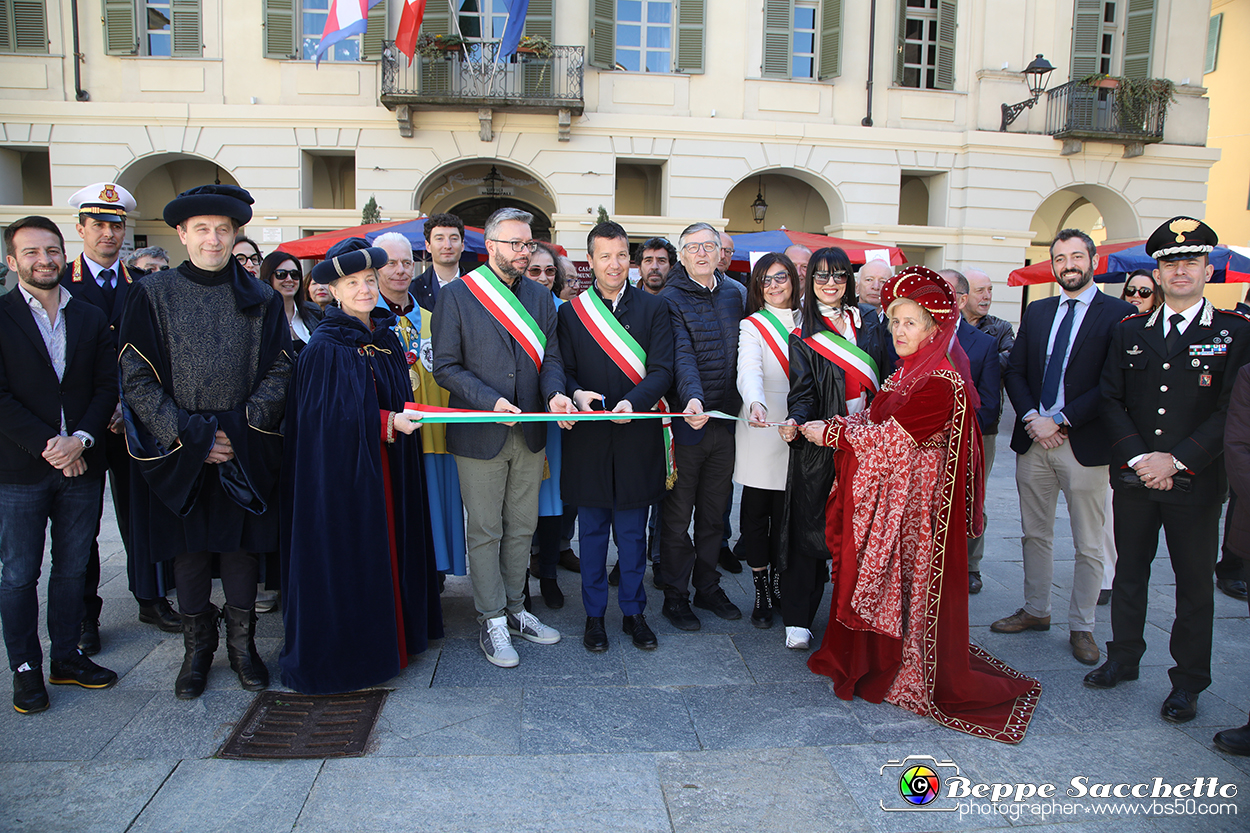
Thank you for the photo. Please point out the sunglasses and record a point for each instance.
(286, 275)
(252, 259)
(822, 278)
(535, 271)
(779, 278)
(1143, 291)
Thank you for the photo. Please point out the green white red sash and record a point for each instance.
(775, 335)
(627, 354)
(622, 348)
(503, 304)
(858, 366)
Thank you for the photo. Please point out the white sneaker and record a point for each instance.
(496, 643)
(798, 639)
(527, 626)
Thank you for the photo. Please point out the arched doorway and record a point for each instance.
(475, 189)
(154, 181)
(1098, 211)
(798, 200)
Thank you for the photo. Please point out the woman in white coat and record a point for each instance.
(762, 456)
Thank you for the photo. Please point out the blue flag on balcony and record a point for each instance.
(346, 18)
(515, 26)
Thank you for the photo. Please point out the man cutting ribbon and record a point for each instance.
(495, 349)
(618, 356)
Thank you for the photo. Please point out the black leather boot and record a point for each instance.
(241, 649)
(199, 635)
(762, 615)
(774, 586)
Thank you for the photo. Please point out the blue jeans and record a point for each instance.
(72, 504)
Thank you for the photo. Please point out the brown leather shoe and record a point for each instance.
(1021, 621)
(1083, 647)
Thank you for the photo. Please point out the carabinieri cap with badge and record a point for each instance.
(1181, 237)
(106, 201)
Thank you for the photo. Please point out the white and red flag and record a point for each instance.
(409, 26)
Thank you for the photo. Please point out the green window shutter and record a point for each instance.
(689, 51)
(1086, 38)
(28, 31)
(375, 33)
(602, 34)
(1138, 34)
(900, 42)
(830, 39)
(945, 70)
(778, 34)
(120, 34)
(6, 26)
(540, 20)
(1213, 42)
(280, 29)
(187, 40)
(435, 73)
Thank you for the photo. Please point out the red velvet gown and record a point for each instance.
(897, 530)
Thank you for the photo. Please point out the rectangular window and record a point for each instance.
(23, 26)
(920, 39)
(157, 27)
(803, 58)
(1213, 42)
(644, 35)
(312, 18)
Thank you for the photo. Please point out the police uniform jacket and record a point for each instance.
(1174, 401)
(80, 281)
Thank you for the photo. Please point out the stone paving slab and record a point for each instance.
(772, 715)
(462, 664)
(78, 724)
(764, 790)
(167, 728)
(220, 795)
(683, 659)
(449, 721)
(605, 719)
(85, 797)
(526, 794)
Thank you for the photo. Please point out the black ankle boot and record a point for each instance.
(762, 615)
(774, 586)
(241, 649)
(199, 636)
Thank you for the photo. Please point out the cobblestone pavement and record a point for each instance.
(719, 730)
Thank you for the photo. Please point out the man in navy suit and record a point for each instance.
(444, 240)
(1060, 439)
(99, 277)
(987, 375)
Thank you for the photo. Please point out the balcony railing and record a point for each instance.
(1078, 110)
(471, 79)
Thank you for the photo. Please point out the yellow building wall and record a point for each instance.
(1228, 191)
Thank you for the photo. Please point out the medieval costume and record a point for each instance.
(906, 498)
(361, 593)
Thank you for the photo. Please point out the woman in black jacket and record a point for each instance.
(836, 364)
(284, 274)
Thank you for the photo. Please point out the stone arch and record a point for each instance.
(801, 201)
(156, 179)
(459, 184)
(1119, 220)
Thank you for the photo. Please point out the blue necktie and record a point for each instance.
(1054, 367)
(106, 284)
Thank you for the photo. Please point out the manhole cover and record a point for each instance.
(287, 725)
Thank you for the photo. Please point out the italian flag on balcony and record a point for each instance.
(346, 18)
(409, 26)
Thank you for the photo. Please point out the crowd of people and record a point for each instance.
(335, 443)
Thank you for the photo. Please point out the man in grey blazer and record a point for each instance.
(495, 349)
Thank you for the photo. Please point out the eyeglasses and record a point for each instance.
(252, 259)
(1144, 291)
(536, 271)
(709, 247)
(530, 246)
(286, 275)
(822, 278)
(779, 278)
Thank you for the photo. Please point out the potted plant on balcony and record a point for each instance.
(537, 46)
(439, 46)
(1135, 97)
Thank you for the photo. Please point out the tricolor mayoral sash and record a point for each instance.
(626, 353)
(775, 335)
(861, 371)
(503, 304)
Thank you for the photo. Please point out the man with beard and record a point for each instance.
(444, 240)
(495, 349)
(99, 277)
(657, 258)
(58, 388)
(1060, 438)
(1167, 385)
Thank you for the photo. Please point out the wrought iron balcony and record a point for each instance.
(471, 78)
(1079, 111)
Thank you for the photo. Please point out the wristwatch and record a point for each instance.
(1179, 465)
(84, 438)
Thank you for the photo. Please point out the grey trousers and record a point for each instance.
(976, 546)
(501, 506)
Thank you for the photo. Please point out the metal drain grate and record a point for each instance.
(288, 725)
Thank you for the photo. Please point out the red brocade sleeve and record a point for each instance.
(928, 411)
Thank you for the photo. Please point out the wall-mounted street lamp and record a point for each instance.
(759, 207)
(1037, 76)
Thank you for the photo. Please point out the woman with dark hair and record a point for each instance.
(908, 495)
(1141, 290)
(247, 253)
(284, 274)
(545, 269)
(760, 455)
(834, 363)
